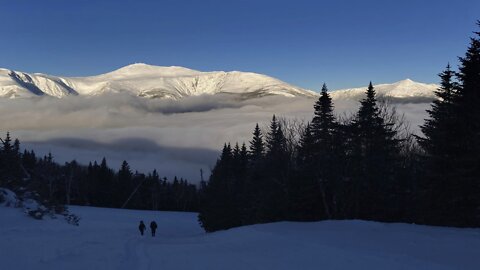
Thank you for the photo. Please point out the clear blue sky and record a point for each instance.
(344, 43)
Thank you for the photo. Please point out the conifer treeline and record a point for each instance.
(364, 167)
(335, 170)
(93, 185)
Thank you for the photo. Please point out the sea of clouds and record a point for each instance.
(175, 137)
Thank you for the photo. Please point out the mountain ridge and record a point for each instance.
(149, 81)
(175, 82)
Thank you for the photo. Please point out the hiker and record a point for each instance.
(141, 227)
(153, 227)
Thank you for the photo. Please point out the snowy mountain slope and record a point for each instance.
(405, 90)
(109, 239)
(178, 82)
(147, 81)
(19, 84)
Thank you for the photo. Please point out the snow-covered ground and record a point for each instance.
(109, 239)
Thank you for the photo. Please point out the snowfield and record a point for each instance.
(109, 239)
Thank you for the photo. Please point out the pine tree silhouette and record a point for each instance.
(439, 131)
(375, 156)
(257, 146)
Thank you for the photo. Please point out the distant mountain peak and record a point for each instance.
(146, 69)
(406, 90)
(142, 66)
(407, 80)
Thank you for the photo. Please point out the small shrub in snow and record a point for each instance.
(72, 219)
(36, 214)
(8, 198)
(34, 207)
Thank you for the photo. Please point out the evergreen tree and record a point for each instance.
(257, 147)
(124, 185)
(10, 163)
(29, 159)
(273, 203)
(439, 131)
(327, 160)
(375, 158)
(252, 192)
(104, 184)
(467, 200)
(219, 206)
(306, 149)
(276, 142)
(244, 155)
(323, 123)
(452, 145)
(7, 144)
(304, 193)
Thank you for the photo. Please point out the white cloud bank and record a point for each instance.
(175, 137)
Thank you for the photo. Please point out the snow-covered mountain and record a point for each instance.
(147, 81)
(178, 82)
(405, 90)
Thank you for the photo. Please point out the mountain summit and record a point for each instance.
(147, 81)
(405, 91)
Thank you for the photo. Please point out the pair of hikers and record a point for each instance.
(153, 227)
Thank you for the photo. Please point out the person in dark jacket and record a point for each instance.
(141, 227)
(153, 227)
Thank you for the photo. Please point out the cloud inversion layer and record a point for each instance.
(175, 137)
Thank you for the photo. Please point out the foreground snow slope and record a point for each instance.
(108, 239)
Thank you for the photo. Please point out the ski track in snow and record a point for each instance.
(136, 255)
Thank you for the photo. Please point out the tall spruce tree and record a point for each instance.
(438, 128)
(124, 185)
(439, 131)
(10, 163)
(452, 145)
(306, 149)
(324, 131)
(257, 147)
(104, 185)
(276, 141)
(323, 123)
(254, 178)
(468, 160)
(219, 206)
(304, 202)
(274, 201)
(375, 156)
